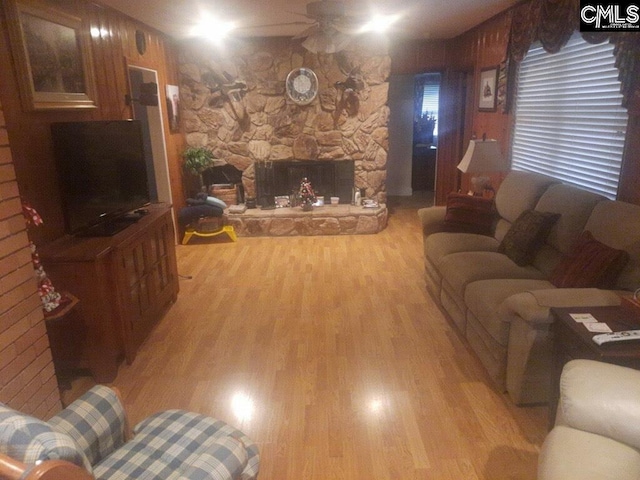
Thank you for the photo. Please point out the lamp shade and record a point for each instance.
(483, 156)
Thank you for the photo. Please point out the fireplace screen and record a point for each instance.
(329, 179)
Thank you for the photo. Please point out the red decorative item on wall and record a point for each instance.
(51, 299)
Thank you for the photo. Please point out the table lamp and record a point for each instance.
(482, 156)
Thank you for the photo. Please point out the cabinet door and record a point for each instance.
(147, 282)
(161, 265)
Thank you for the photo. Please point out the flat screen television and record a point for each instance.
(102, 174)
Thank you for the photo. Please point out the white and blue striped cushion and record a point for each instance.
(177, 444)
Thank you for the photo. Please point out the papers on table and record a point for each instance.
(591, 323)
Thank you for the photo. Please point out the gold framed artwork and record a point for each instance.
(487, 92)
(52, 54)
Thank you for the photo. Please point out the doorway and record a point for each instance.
(150, 115)
(426, 99)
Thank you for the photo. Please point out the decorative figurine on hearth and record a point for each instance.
(307, 195)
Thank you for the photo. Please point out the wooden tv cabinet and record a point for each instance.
(125, 283)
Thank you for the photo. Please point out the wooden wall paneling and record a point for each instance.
(160, 56)
(119, 42)
(628, 188)
(31, 143)
(175, 141)
(126, 30)
(164, 62)
(403, 57)
(113, 37)
(418, 56)
(431, 56)
(451, 118)
(482, 47)
(101, 40)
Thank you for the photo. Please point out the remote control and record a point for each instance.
(617, 336)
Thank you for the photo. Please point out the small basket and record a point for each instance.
(227, 193)
(209, 224)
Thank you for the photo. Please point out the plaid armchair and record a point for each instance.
(89, 440)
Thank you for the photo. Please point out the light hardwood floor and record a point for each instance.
(331, 355)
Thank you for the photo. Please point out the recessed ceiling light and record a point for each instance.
(379, 23)
(212, 28)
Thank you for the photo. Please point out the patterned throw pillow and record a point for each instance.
(591, 264)
(527, 235)
(468, 214)
(30, 440)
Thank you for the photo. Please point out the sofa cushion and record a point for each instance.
(520, 191)
(590, 264)
(460, 269)
(177, 444)
(617, 224)
(574, 206)
(484, 298)
(526, 235)
(438, 245)
(29, 440)
(468, 213)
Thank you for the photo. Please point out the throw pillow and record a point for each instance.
(526, 235)
(469, 214)
(591, 264)
(215, 201)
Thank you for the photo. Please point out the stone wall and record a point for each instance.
(260, 123)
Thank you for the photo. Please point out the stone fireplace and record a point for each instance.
(329, 179)
(275, 142)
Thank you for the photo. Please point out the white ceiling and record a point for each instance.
(427, 19)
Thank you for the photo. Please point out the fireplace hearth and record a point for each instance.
(329, 178)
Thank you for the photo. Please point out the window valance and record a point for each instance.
(552, 22)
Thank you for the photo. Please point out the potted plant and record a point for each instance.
(196, 161)
(424, 127)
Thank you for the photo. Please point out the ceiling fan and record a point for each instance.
(331, 29)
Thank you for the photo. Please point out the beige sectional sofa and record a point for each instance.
(502, 308)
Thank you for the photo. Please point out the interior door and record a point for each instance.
(453, 120)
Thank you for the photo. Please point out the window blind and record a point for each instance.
(569, 122)
(430, 99)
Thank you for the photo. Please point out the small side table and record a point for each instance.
(572, 341)
(66, 333)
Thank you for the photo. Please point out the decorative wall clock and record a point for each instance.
(302, 85)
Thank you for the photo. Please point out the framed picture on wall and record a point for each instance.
(487, 89)
(53, 57)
